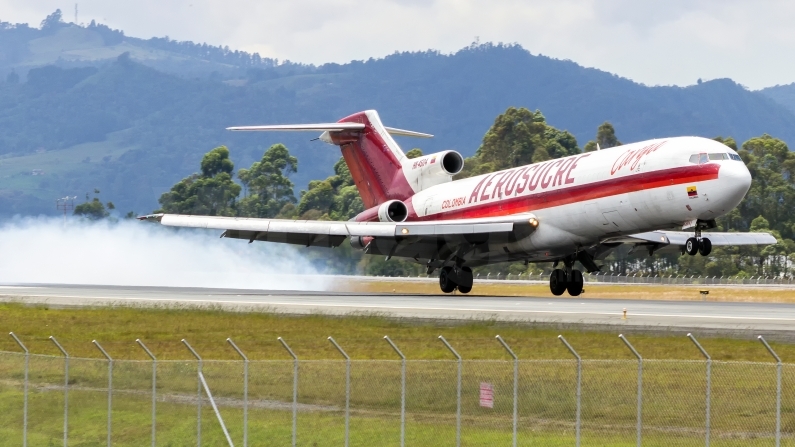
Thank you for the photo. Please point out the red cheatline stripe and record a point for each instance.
(589, 191)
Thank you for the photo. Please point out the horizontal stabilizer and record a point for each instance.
(324, 127)
(321, 127)
(407, 133)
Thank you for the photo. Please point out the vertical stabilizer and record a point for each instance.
(374, 159)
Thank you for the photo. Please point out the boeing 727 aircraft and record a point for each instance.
(576, 208)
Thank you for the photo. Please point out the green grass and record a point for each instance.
(743, 393)
(15, 172)
(361, 336)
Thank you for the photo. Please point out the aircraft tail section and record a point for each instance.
(375, 160)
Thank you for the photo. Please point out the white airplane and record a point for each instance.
(576, 208)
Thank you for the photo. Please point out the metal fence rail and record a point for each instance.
(52, 399)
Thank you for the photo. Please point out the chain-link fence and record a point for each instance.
(49, 400)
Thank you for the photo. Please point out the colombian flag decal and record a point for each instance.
(692, 192)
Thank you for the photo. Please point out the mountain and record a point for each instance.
(782, 94)
(69, 45)
(132, 125)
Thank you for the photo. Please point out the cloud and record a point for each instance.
(45, 251)
(675, 42)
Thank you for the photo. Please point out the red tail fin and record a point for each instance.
(374, 159)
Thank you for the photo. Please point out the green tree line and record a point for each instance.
(517, 137)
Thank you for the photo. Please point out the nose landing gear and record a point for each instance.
(698, 244)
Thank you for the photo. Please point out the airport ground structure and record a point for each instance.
(571, 401)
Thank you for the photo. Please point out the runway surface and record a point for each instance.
(640, 313)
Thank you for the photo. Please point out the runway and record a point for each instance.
(767, 317)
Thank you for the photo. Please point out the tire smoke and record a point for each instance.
(133, 253)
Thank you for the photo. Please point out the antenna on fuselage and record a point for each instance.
(597, 147)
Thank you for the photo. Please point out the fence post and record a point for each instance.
(709, 384)
(110, 384)
(778, 389)
(245, 391)
(402, 390)
(347, 388)
(458, 397)
(154, 386)
(640, 387)
(198, 392)
(25, 392)
(295, 386)
(579, 388)
(65, 390)
(515, 386)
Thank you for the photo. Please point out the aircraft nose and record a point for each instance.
(736, 181)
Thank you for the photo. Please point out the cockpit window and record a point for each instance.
(706, 158)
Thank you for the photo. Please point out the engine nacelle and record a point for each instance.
(434, 169)
(393, 211)
(361, 242)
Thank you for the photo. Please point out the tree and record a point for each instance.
(94, 209)
(772, 192)
(267, 184)
(605, 138)
(518, 137)
(211, 193)
(52, 21)
(335, 198)
(414, 153)
(728, 141)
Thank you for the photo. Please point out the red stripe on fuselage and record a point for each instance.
(581, 193)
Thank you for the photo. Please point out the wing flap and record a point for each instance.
(332, 234)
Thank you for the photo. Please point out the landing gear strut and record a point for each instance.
(452, 278)
(566, 279)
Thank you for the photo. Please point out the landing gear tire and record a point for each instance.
(466, 271)
(445, 282)
(692, 246)
(557, 282)
(705, 247)
(575, 283)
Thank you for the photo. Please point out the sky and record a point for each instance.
(672, 42)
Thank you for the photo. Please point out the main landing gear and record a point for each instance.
(566, 279)
(452, 278)
(698, 244)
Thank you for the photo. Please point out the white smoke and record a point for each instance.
(133, 253)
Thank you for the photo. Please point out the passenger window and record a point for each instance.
(703, 158)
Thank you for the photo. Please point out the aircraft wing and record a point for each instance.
(411, 239)
(680, 237)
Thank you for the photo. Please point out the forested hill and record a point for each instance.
(133, 130)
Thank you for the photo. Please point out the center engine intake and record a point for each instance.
(434, 169)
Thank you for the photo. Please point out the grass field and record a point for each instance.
(15, 172)
(743, 393)
(361, 336)
(592, 290)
